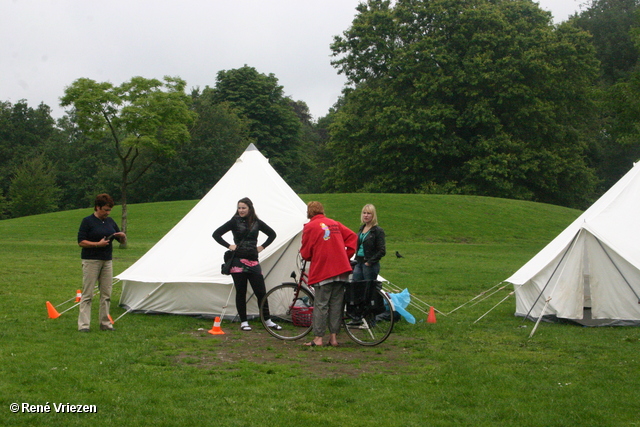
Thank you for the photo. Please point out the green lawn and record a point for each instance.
(166, 370)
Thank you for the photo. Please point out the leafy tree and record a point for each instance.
(5, 207)
(144, 119)
(23, 132)
(218, 137)
(622, 127)
(33, 188)
(272, 120)
(614, 25)
(85, 166)
(610, 23)
(464, 96)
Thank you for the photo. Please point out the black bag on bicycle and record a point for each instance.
(363, 298)
(226, 266)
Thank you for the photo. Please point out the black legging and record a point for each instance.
(259, 289)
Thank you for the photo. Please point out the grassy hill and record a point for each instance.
(452, 245)
(166, 370)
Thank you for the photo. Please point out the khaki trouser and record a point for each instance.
(100, 272)
(328, 307)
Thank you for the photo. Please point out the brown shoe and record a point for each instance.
(107, 328)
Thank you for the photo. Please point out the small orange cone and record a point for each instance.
(78, 295)
(432, 316)
(216, 330)
(53, 313)
(110, 318)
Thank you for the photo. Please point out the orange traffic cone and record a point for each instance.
(216, 330)
(110, 318)
(78, 295)
(432, 316)
(53, 313)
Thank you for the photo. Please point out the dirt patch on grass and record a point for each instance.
(257, 346)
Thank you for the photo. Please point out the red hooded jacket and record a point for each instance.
(328, 245)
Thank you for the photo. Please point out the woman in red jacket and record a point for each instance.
(328, 245)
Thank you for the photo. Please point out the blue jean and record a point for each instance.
(364, 272)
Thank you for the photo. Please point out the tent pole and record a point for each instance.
(224, 309)
(281, 255)
(619, 272)
(533, 331)
(139, 302)
(552, 274)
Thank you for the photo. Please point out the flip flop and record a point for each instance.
(245, 328)
(276, 327)
(310, 344)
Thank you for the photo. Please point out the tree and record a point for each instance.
(218, 137)
(463, 96)
(144, 119)
(23, 133)
(85, 166)
(610, 23)
(33, 188)
(273, 123)
(622, 129)
(614, 26)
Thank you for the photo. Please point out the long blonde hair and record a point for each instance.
(374, 216)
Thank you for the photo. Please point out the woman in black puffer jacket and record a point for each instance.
(245, 227)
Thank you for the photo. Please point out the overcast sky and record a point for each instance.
(47, 44)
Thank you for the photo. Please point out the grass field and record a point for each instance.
(167, 370)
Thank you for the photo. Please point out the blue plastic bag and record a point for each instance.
(400, 302)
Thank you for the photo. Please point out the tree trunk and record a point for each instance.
(123, 224)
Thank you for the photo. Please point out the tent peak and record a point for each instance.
(251, 147)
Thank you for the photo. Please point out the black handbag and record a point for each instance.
(226, 266)
(363, 298)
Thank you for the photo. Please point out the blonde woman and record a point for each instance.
(371, 246)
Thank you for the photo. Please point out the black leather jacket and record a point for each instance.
(374, 244)
(239, 227)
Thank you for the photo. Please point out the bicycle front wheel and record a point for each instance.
(371, 329)
(291, 308)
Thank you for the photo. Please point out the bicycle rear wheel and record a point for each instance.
(291, 308)
(370, 330)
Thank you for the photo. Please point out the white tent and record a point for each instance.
(181, 273)
(590, 273)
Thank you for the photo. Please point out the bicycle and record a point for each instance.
(291, 306)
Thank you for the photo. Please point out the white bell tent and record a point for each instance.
(590, 273)
(181, 273)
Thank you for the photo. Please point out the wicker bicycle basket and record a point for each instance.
(301, 316)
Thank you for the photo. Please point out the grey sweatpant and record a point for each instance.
(327, 308)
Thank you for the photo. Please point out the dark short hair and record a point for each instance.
(103, 200)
